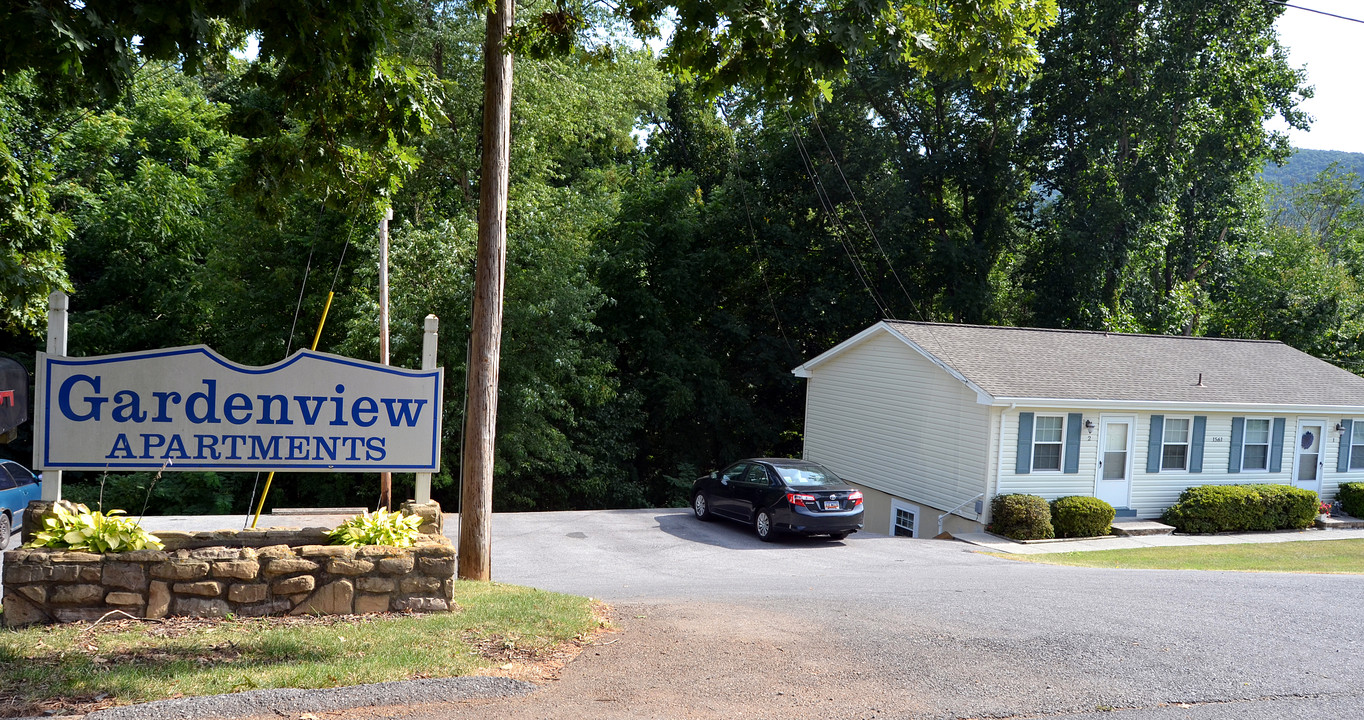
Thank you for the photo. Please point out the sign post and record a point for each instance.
(57, 304)
(422, 493)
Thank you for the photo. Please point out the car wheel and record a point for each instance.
(838, 536)
(762, 524)
(701, 506)
(5, 530)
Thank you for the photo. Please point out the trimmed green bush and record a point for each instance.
(1081, 516)
(1351, 497)
(1238, 508)
(1021, 517)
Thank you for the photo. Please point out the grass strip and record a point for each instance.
(1312, 556)
(137, 661)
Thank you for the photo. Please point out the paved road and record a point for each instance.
(719, 625)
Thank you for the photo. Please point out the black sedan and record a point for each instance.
(779, 495)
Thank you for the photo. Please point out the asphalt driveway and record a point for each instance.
(720, 625)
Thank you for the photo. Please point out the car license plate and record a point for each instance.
(831, 504)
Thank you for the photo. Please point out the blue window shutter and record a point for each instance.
(1238, 431)
(1276, 445)
(1023, 465)
(1153, 444)
(1343, 458)
(1200, 424)
(1073, 421)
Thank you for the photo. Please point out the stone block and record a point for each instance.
(215, 553)
(74, 556)
(78, 614)
(36, 593)
(23, 555)
(239, 569)
(422, 604)
(201, 607)
(449, 589)
(174, 539)
(158, 599)
(435, 549)
(329, 551)
(275, 551)
(376, 584)
(365, 603)
(288, 566)
(90, 573)
(124, 598)
(334, 598)
(396, 565)
(433, 521)
(290, 586)
(180, 569)
(343, 566)
(274, 607)
(18, 574)
(20, 612)
(378, 551)
(76, 595)
(144, 556)
(420, 585)
(440, 567)
(130, 576)
(248, 592)
(205, 588)
(63, 573)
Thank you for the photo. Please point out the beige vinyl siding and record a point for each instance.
(885, 417)
(1048, 484)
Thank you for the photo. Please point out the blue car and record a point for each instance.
(17, 486)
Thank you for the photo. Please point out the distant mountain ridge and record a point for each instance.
(1304, 166)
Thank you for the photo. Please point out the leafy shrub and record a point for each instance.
(1237, 508)
(380, 528)
(94, 531)
(1081, 516)
(1351, 497)
(1021, 517)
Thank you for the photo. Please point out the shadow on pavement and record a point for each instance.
(732, 535)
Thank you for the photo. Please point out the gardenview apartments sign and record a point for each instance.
(189, 408)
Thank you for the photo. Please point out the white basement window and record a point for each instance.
(904, 519)
(1174, 453)
(1046, 442)
(1255, 446)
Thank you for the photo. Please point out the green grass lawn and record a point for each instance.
(63, 666)
(1322, 556)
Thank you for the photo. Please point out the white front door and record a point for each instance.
(1113, 483)
(1307, 460)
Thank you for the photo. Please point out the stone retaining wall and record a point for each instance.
(245, 573)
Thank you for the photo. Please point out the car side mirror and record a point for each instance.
(712, 474)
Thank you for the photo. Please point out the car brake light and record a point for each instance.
(855, 498)
(799, 498)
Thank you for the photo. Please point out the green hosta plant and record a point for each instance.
(94, 531)
(379, 528)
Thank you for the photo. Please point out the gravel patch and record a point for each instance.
(255, 703)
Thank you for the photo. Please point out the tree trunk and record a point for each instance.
(476, 500)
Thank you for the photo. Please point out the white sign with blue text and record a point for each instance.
(189, 408)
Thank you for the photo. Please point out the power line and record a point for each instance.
(1319, 12)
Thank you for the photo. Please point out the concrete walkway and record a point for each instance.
(994, 543)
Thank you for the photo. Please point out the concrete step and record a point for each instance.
(1141, 527)
(1339, 522)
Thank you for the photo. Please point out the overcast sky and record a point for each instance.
(1333, 52)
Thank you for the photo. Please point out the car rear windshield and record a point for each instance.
(806, 475)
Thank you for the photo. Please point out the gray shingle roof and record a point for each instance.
(1009, 362)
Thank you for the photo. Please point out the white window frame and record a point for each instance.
(897, 504)
(1269, 444)
(1356, 448)
(1061, 453)
(1188, 443)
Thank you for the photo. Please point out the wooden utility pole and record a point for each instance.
(485, 341)
(385, 478)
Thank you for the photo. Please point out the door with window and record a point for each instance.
(1113, 483)
(1307, 458)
